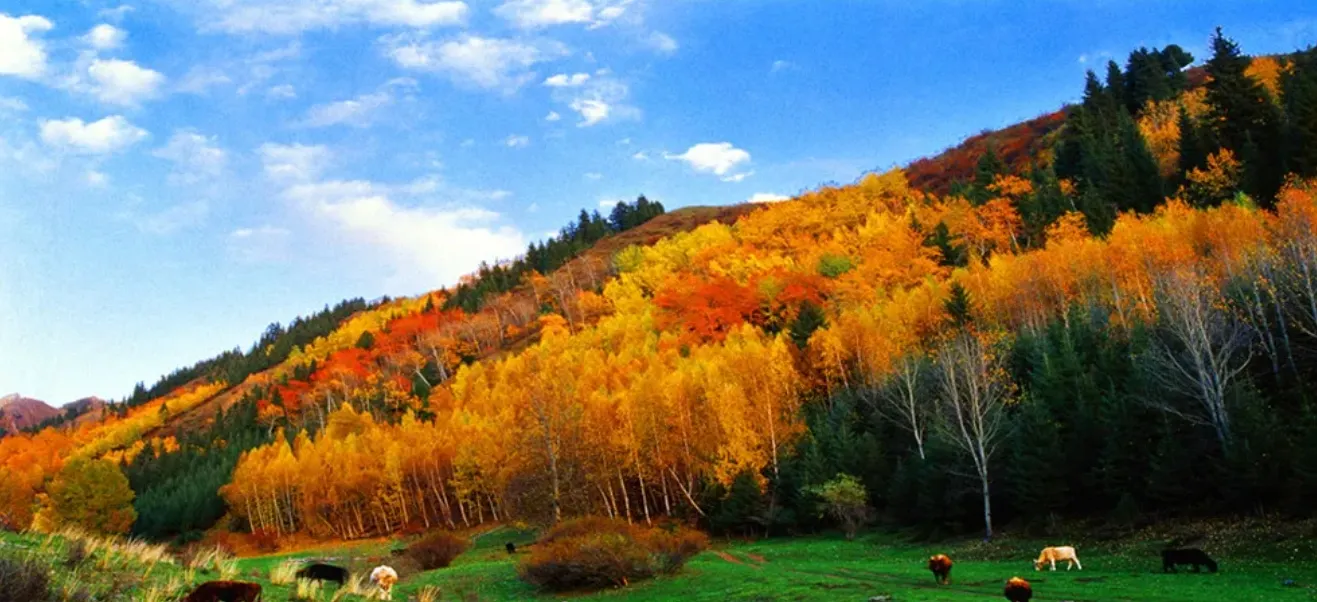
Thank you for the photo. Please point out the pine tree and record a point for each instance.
(1244, 118)
(1299, 98)
(959, 306)
(1037, 479)
(1194, 149)
(1144, 189)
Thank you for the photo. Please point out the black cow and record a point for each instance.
(511, 547)
(1193, 556)
(324, 572)
(225, 591)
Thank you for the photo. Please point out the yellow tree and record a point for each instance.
(91, 494)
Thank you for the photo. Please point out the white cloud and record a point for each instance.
(594, 176)
(490, 63)
(552, 116)
(123, 82)
(21, 54)
(297, 16)
(766, 197)
(172, 219)
(260, 244)
(418, 247)
(293, 162)
(662, 42)
(200, 80)
(281, 92)
(9, 104)
(781, 65)
(107, 135)
(517, 141)
(195, 157)
(608, 203)
(738, 177)
(592, 111)
(640, 156)
(532, 14)
(105, 37)
(717, 158)
(97, 179)
(355, 112)
(115, 14)
(562, 80)
(596, 100)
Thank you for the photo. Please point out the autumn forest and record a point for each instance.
(1106, 313)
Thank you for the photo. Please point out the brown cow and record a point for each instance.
(225, 591)
(1018, 590)
(941, 567)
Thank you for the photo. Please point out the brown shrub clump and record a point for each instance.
(23, 581)
(437, 550)
(594, 553)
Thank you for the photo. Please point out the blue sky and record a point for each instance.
(177, 174)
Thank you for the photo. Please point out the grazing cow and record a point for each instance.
(511, 547)
(1193, 556)
(384, 577)
(941, 567)
(1051, 555)
(324, 572)
(225, 591)
(1018, 590)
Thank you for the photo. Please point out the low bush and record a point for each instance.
(593, 561)
(437, 550)
(23, 581)
(594, 553)
(75, 553)
(673, 548)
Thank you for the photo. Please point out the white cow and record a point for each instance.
(384, 577)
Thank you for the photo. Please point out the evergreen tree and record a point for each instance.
(1144, 188)
(1299, 98)
(1194, 148)
(1037, 480)
(1244, 118)
(959, 307)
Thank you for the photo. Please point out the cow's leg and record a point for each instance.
(1053, 561)
(1081, 567)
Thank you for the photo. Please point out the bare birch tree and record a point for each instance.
(901, 399)
(973, 390)
(1202, 349)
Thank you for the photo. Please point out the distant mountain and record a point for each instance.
(18, 412)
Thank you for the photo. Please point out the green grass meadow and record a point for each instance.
(775, 570)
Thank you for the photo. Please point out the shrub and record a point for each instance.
(592, 561)
(75, 554)
(593, 553)
(23, 581)
(437, 550)
(672, 549)
(589, 525)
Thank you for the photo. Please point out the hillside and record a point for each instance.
(943, 333)
(18, 412)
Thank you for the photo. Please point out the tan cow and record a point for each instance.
(1051, 555)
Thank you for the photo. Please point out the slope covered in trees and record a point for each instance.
(1109, 317)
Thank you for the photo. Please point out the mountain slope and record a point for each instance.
(18, 412)
(720, 364)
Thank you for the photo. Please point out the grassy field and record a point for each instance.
(780, 570)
